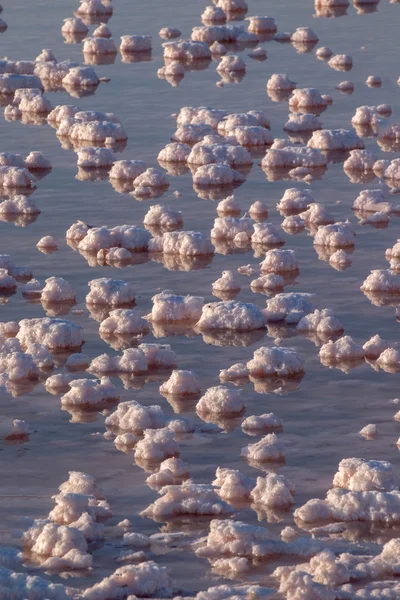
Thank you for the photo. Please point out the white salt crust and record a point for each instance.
(233, 315)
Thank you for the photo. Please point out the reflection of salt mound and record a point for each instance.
(185, 500)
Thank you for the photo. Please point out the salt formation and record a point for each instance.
(127, 170)
(340, 260)
(169, 308)
(228, 207)
(268, 449)
(374, 347)
(186, 51)
(289, 307)
(256, 425)
(268, 362)
(92, 157)
(343, 350)
(185, 243)
(226, 283)
(186, 499)
(268, 283)
(274, 491)
(221, 400)
(324, 52)
(335, 139)
(316, 215)
(94, 7)
(19, 430)
(57, 289)
(124, 322)
(364, 490)
(346, 87)
(233, 315)
(133, 417)
(110, 292)
(341, 62)
(372, 201)
(156, 445)
(374, 81)
(306, 98)
(169, 32)
(135, 43)
(294, 201)
(258, 210)
(323, 322)
(144, 579)
(304, 35)
(339, 235)
(227, 228)
(302, 122)
(382, 281)
(163, 217)
(52, 333)
(289, 157)
(90, 394)
(280, 261)
(359, 160)
(181, 383)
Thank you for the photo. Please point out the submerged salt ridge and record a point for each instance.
(221, 149)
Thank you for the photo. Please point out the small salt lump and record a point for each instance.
(369, 431)
(181, 383)
(226, 283)
(19, 430)
(256, 425)
(47, 242)
(269, 449)
(221, 400)
(232, 315)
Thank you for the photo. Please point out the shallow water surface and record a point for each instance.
(322, 413)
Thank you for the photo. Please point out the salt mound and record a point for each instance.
(185, 243)
(280, 261)
(359, 160)
(127, 170)
(221, 400)
(290, 307)
(168, 307)
(110, 292)
(323, 322)
(226, 283)
(290, 157)
(124, 322)
(294, 200)
(304, 98)
(172, 471)
(57, 289)
(135, 43)
(133, 417)
(335, 139)
(275, 491)
(344, 349)
(52, 333)
(382, 280)
(269, 362)
(268, 422)
(304, 35)
(182, 383)
(361, 475)
(214, 175)
(338, 235)
(145, 579)
(268, 449)
(235, 315)
(90, 393)
(186, 499)
(299, 123)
